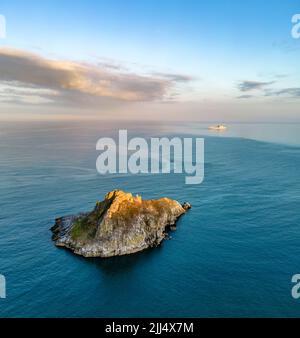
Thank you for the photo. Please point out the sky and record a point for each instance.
(191, 60)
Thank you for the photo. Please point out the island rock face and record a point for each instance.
(120, 225)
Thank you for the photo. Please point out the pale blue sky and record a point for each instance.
(219, 44)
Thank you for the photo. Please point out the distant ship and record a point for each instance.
(218, 127)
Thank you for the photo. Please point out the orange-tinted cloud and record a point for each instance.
(68, 79)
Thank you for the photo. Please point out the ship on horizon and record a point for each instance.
(219, 127)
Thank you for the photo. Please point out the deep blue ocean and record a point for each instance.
(233, 254)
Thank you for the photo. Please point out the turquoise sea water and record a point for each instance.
(233, 254)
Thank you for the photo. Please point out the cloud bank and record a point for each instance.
(246, 86)
(265, 90)
(28, 77)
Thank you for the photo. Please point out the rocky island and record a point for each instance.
(120, 225)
